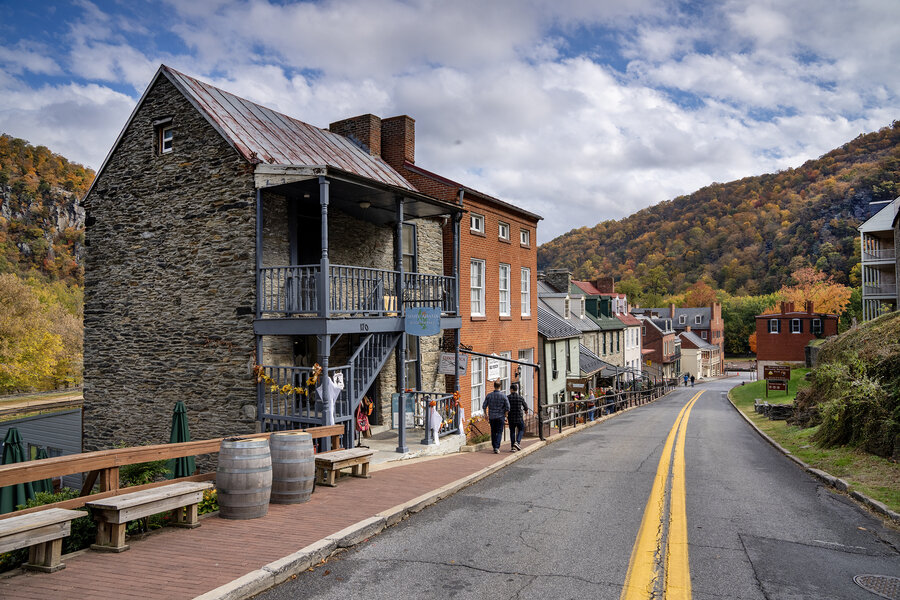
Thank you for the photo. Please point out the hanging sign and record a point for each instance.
(446, 366)
(422, 321)
(493, 369)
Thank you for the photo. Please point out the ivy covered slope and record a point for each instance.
(41, 218)
(745, 237)
(854, 392)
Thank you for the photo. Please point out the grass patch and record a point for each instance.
(876, 477)
(40, 396)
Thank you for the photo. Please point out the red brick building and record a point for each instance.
(661, 348)
(782, 337)
(497, 261)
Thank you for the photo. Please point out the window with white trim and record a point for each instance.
(682, 319)
(526, 292)
(503, 230)
(477, 369)
(817, 326)
(524, 237)
(476, 285)
(476, 223)
(504, 290)
(796, 326)
(774, 326)
(504, 371)
(698, 319)
(703, 334)
(167, 135)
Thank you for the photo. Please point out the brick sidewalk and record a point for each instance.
(179, 563)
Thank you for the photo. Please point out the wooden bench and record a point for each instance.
(42, 533)
(328, 464)
(113, 514)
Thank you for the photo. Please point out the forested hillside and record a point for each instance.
(744, 237)
(41, 246)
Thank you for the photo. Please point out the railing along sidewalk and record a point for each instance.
(103, 466)
(566, 413)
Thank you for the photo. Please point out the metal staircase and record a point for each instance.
(366, 363)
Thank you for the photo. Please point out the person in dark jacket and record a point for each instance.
(497, 406)
(516, 418)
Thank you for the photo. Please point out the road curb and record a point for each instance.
(826, 478)
(281, 570)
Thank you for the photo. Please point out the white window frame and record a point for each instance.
(476, 223)
(504, 280)
(505, 378)
(477, 385)
(799, 326)
(476, 287)
(698, 319)
(524, 237)
(526, 291)
(682, 319)
(816, 326)
(774, 326)
(166, 139)
(501, 226)
(703, 334)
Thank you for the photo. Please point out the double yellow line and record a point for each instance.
(643, 576)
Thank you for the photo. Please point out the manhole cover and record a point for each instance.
(881, 585)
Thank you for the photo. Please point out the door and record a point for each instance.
(526, 377)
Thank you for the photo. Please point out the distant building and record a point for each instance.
(662, 348)
(879, 239)
(603, 301)
(698, 358)
(705, 322)
(558, 353)
(782, 337)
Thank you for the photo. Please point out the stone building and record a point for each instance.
(223, 235)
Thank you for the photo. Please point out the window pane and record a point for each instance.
(526, 292)
(477, 287)
(477, 383)
(504, 290)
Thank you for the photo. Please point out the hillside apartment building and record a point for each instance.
(880, 261)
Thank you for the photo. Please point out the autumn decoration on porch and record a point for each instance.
(287, 388)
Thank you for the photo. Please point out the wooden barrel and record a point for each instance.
(244, 478)
(293, 467)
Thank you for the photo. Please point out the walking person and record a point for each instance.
(692, 381)
(516, 418)
(497, 406)
(685, 379)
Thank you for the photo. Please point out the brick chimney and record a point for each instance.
(605, 285)
(787, 307)
(558, 279)
(810, 307)
(687, 329)
(364, 130)
(398, 141)
(672, 311)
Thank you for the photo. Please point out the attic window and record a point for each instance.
(682, 319)
(698, 319)
(165, 135)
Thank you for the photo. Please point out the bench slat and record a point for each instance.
(130, 513)
(341, 455)
(129, 500)
(51, 516)
(34, 536)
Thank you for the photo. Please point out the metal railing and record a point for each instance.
(884, 289)
(571, 412)
(293, 290)
(278, 411)
(447, 407)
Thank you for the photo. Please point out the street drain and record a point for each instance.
(881, 585)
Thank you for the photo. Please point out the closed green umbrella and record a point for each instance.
(183, 466)
(12, 496)
(42, 485)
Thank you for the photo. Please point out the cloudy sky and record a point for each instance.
(578, 110)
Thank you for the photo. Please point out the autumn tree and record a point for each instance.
(700, 294)
(812, 284)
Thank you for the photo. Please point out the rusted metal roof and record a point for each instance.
(261, 134)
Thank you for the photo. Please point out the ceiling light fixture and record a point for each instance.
(365, 204)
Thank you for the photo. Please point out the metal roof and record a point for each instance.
(696, 340)
(590, 363)
(554, 327)
(261, 134)
(883, 220)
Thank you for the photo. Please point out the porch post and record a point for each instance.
(401, 347)
(260, 393)
(324, 295)
(328, 415)
(456, 219)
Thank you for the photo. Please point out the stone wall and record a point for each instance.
(169, 283)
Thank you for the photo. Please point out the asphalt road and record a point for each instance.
(563, 522)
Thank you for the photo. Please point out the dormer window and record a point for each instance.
(682, 319)
(698, 319)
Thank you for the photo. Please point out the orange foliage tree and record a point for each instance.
(811, 284)
(699, 294)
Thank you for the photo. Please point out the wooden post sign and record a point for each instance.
(777, 378)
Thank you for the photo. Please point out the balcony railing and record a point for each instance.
(284, 409)
(885, 254)
(884, 289)
(293, 290)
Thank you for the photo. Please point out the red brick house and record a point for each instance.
(661, 348)
(497, 261)
(782, 337)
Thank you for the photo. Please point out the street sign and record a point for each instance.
(777, 373)
(446, 366)
(422, 321)
(493, 369)
(776, 385)
(577, 385)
